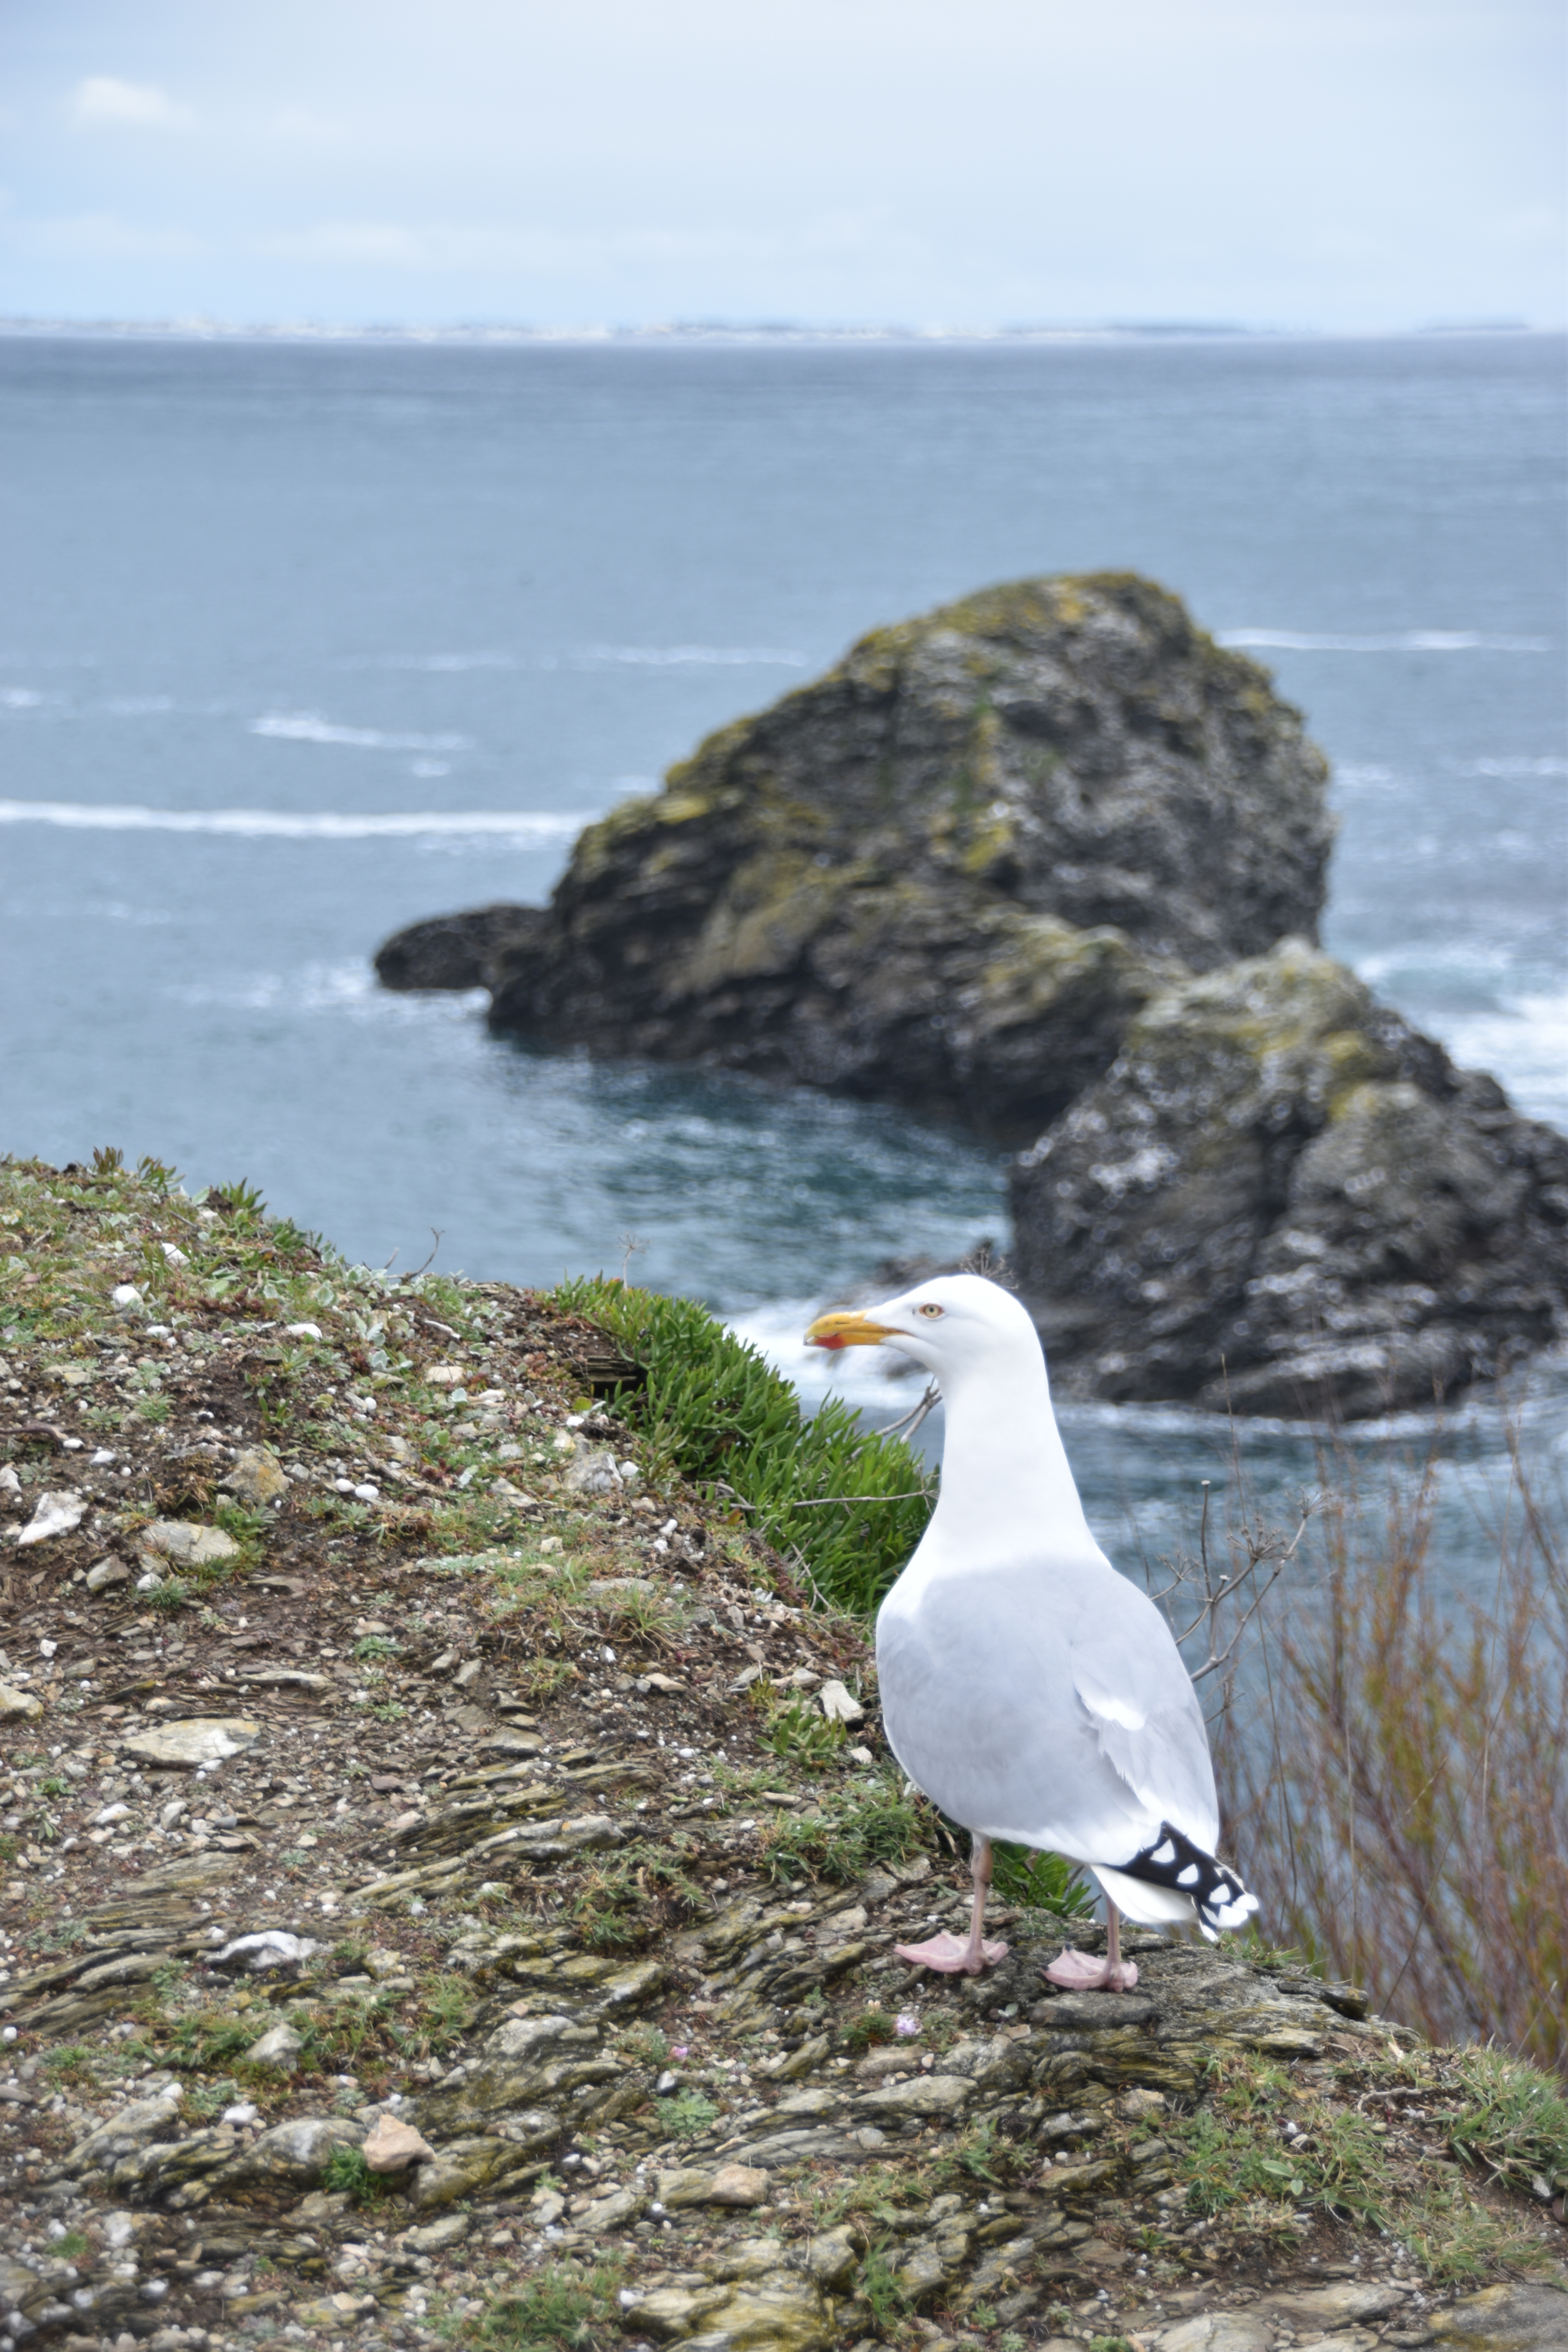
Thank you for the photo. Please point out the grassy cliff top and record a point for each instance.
(472, 1648)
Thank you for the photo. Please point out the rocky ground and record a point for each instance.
(450, 1880)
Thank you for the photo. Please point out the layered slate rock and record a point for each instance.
(949, 871)
(1282, 1199)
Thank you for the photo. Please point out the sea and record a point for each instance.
(303, 636)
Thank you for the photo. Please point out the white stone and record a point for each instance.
(302, 1330)
(125, 1296)
(838, 1704)
(202, 1739)
(187, 1544)
(56, 1514)
(279, 2048)
(270, 1947)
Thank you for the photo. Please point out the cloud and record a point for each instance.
(103, 101)
(96, 236)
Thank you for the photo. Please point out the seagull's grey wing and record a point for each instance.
(1148, 1723)
(981, 1709)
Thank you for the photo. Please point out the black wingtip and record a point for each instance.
(1218, 1897)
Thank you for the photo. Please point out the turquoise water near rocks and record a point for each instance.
(300, 641)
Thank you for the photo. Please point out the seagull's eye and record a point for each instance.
(930, 1310)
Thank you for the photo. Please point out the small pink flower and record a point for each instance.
(906, 2025)
(681, 2050)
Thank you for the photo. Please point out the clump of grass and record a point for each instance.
(1234, 2165)
(621, 1902)
(849, 1836)
(686, 2115)
(348, 2174)
(562, 2307)
(879, 2290)
(203, 2039)
(862, 2032)
(850, 1507)
(803, 1737)
(1514, 2125)
(209, 2099)
(73, 2062)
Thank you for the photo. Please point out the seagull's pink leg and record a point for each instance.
(944, 1953)
(1078, 1973)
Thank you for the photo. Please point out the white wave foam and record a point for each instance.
(280, 824)
(1402, 641)
(349, 988)
(1515, 768)
(674, 656)
(596, 658)
(1525, 1043)
(308, 727)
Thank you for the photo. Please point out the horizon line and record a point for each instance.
(198, 327)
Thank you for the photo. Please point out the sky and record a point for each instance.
(1337, 165)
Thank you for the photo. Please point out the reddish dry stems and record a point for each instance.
(1399, 1796)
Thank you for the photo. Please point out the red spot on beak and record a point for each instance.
(831, 1341)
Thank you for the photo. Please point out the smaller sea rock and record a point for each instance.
(105, 1573)
(18, 1706)
(393, 2147)
(201, 1739)
(56, 1514)
(187, 1545)
(256, 1476)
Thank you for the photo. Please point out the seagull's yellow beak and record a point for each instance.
(846, 1331)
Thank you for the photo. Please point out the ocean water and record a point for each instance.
(300, 641)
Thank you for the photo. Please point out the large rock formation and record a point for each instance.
(1282, 1199)
(1024, 860)
(950, 871)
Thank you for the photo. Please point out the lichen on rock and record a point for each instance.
(947, 872)
(1282, 1199)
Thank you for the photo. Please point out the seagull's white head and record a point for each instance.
(954, 1325)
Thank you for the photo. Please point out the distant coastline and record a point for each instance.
(766, 335)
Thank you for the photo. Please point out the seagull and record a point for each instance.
(1031, 1691)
